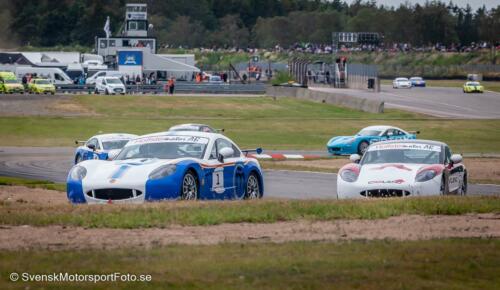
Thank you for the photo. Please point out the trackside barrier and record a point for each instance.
(339, 99)
(180, 87)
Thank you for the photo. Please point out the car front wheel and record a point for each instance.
(362, 147)
(189, 187)
(252, 188)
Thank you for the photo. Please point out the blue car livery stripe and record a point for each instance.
(119, 172)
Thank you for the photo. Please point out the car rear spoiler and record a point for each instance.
(80, 142)
(219, 130)
(256, 150)
(414, 132)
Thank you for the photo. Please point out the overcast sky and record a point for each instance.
(461, 3)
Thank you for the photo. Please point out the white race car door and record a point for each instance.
(222, 174)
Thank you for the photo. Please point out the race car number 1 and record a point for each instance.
(218, 180)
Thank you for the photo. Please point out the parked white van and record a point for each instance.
(104, 73)
(109, 86)
(55, 75)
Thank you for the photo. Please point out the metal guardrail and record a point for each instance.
(180, 87)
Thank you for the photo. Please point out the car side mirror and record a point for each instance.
(112, 154)
(91, 146)
(456, 158)
(225, 153)
(355, 158)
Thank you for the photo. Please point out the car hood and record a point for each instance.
(340, 140)
(388, 173)
(130, 169)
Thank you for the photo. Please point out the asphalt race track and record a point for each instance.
(53, 163)
(434, 101)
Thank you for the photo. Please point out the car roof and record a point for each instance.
(381, 128)
(189, 125)
(416, 141)
(184, 133)
(115, 135)
(401, 78)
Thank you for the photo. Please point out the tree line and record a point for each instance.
(243, 23)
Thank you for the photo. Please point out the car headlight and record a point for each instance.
(162, 171)
(349, 175)
(78, 172)
(425, 175)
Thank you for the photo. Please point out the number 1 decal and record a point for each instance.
(218, 180)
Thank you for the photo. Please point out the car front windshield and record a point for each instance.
(42, 82)
(113, 81)
(473, 84)
(215, 79)
(170, 147)
(402, 80)
(113, 144)
(402, 153)
(416, 79)
(367, 132)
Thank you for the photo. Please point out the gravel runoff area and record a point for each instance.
(406, 227)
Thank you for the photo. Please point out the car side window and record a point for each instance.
(447, 155)
(223, 143)
(389, 132)
(213, 153)
(94, 142)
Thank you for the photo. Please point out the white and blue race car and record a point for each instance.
(169, 165)
(101, 146)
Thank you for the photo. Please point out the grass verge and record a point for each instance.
(211, 212)
(45, 184)
(433, 264)
(250, 121)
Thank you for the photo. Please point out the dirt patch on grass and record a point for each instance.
(41, 105)
(483, 169)
(32, 196)
(68, 107)
(410, 227)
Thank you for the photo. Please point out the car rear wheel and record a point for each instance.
(362, 147)
(189, 188)
(252, 188)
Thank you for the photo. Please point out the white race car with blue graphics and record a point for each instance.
(403, 168)
(101, 146)
(169, 165)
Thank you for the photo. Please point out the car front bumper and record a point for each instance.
(353, 190)
(342, 149)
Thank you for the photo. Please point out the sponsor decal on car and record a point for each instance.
(405, 146)
(397, 181)
(173, 139)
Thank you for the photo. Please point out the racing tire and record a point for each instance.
(252, 187)
(363, 145)
(189, 186)
(78, 159)
(106, 92)
(52, 93)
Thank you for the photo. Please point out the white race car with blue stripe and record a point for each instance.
(169, 165)
(101, 146)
